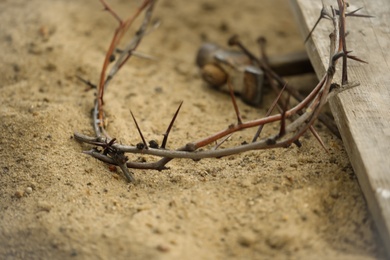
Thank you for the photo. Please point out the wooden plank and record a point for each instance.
(362, 113)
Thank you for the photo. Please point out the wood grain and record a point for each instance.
(362, 113)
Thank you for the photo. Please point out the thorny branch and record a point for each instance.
(302, 115)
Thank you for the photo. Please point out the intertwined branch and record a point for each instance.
(294, 121)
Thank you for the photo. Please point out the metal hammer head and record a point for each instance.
(219, 65)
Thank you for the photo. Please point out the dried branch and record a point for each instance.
(302, 115)
(126, 52)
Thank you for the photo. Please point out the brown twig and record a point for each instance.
(272, 76)
(126, 54)
(302, 115)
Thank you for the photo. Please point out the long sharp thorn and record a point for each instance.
(324, 15)
(269, 113)
(297, 143)
(164, 142)
(138, 54)
(312, 30)
(353, 13)
(220, 143)
(318, 137)
(239, 120)
(356, 58)
(139, 131)
(87, 82)
(360, 15)
(282, 131)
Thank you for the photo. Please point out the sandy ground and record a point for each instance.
(59, 203)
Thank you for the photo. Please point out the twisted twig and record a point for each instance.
(302, 115)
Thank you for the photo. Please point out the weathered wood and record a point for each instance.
(362, 113)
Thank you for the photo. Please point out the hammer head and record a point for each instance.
(219, 65)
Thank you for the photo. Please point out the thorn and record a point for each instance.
(108, 145)
(269, 113)
(298, 143)
(356, 58)
(139, 131)
(318, 137)
(239, 119)
(323, 15)
(144, 56)
(138, 54)
(312, 29)
(112, 12)
(220, 143)
(164, 142)
(156, 24)
(87, 82)
(282, 131)
(353, 13)
(111, 142)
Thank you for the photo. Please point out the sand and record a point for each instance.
(57, 203)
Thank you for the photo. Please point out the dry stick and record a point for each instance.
(342, 14)
(203, 142)
(271, 74)
(326, 120)
(118, 35)
(310, 108)
(342, 7)
(187, 151)
(300, 125)
(324, 14)
(265, 120)
(292, 91)
(124, 56)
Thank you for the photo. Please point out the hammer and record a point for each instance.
(218, 65)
